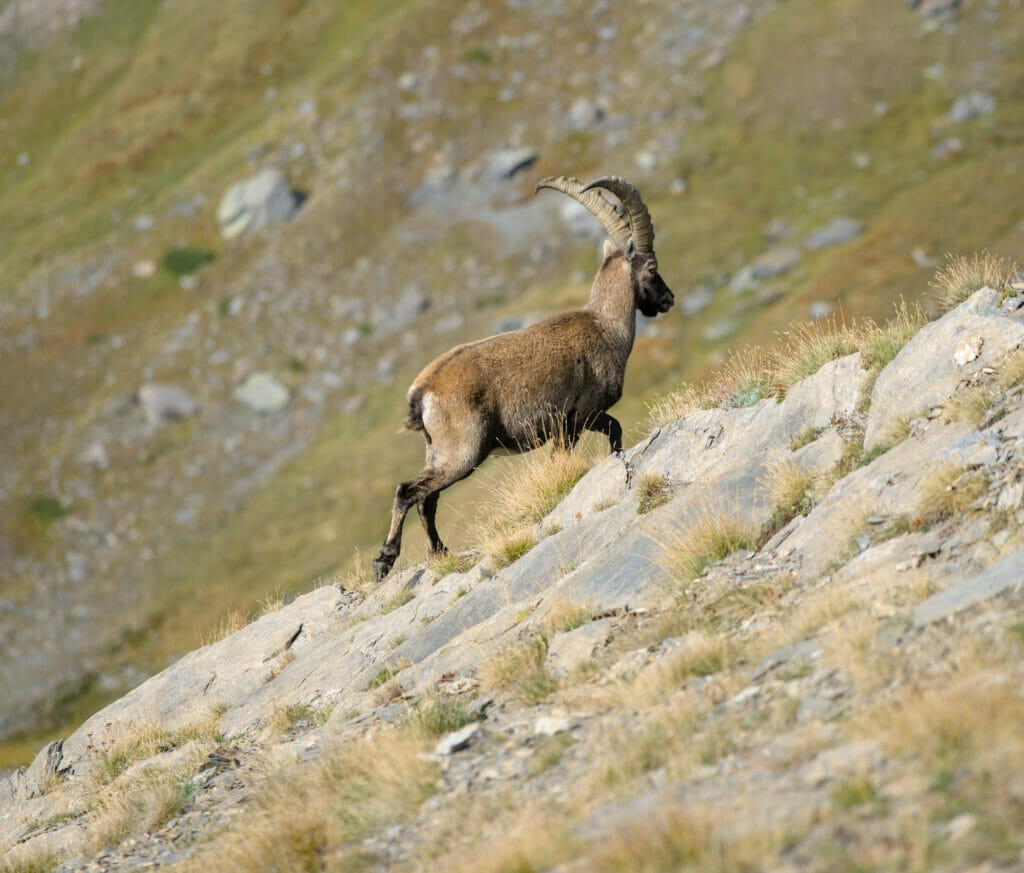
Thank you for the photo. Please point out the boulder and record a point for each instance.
(163, 403)
(256, 203)
(929, 368)
(839, 230)
(262, 393)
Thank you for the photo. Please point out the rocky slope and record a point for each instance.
(839, 687)
(180, 434)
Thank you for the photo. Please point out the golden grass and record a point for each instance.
(139, 741)
(962, 276)
(451, 562)
(1011, 371)
(709, 536)
(521, 671)
(652, 490)
(754, 373)
(948, 491)
(29, 860)
(564, 615)
(971, 406)
(303, 822)
(529, 489)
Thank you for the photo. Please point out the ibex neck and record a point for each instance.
(615, 307)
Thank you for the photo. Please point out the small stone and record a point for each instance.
(163, 403)
(697, 300)
(970, 106)
(262, 393)
(549, 725)
(775, 262)
(144, 269)
(646, 160)
(503, 164)
(820, 309)
(959, 827)
(968, 350)
(1012, 303)
(584, 113)
(458, 740)
(921, 257)
(839, 230)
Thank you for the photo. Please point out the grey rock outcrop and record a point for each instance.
(942, 356)
(255, 203)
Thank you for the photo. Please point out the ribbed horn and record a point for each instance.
(614, 224)
(639, 218)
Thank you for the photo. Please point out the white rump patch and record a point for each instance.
(428, 402)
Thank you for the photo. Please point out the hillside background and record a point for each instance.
(415, 132)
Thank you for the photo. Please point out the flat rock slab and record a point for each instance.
(1005, 575)
(976, 334)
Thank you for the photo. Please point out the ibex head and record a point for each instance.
(633, 233)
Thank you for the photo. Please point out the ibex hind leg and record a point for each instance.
(424, 488)
(427, 508)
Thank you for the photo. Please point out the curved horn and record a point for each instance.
(614, 224)
(639, 218)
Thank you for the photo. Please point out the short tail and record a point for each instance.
(414, 420)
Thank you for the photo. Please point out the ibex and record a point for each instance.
(556, 378)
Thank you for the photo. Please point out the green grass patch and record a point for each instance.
(186, 260)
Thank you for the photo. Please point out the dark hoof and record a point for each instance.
(382, 566)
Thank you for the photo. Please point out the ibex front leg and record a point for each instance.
(424, 490)
(602, 422)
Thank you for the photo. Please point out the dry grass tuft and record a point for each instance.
(29, 860)
(680, 402)
(962, 276)
(710, 536)
(451, 562)
(790, 487)
(652, 490)
(753, 374)
(435, 717)
(564, 616)
(141, 741)
(807, 346)
(521, 670)
(529, 490)
(972, 406)
(234, 621)
(1011, 371)
(747, 377)
(947, 492)
(304, 822)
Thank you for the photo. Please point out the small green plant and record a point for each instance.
(46, 509)
(513, 548)
(322, 714)
(549, 752)
(285, 718)
(450, 562)
(478, 55)
(387, 673)
(806, 438)
(185, 260)
(522, 670)
(709, 538)
(653, 490)
(437, 717)
(399, 599)
(853, 794)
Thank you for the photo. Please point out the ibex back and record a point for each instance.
(556, 378)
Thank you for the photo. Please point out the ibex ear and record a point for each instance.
(608, 249)
(630, 249)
